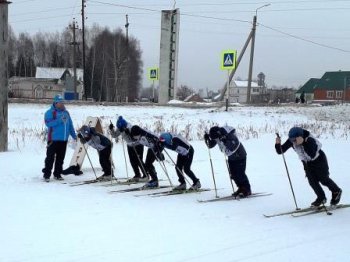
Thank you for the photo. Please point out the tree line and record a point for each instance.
(113, 67)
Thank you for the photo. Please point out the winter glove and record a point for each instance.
(159, 145)
(82, 140)
(160, 156)
(206, 138)
(80, 136)
(223, 139)
(111, 126)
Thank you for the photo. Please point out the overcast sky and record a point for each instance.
(295, 40)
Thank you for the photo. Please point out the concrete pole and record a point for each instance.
(74, 44)
(224, 89)
(3, 75)
(252, 53)
(252, 45)
(83, 40)
(126, 87)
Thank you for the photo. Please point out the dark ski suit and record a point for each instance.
(314, 161)
(237, 157)
(104, 148)
(184, 158)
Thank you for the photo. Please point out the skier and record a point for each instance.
(154, 152)
(135, 149)
(60, 126)
(314, 161)
(103, 146)
(229, 144)
(184, 159)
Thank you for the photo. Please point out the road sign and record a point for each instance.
(229, 59)
(153, 74)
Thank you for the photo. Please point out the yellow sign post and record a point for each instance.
(153, 75)
(228, 62)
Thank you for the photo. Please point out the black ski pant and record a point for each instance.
(55, 153)
(136, 159)
(183, 165)
(237, 173)
(317, 172)
(150, 158)
(105, 160)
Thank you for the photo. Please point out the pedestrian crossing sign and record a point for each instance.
(229, 59)
(153, 74)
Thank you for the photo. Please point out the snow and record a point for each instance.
(56, 222)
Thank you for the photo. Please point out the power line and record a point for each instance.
(264, 2)
(20, 2)
(275, 10)
(127, 6)
(42, 11)
(304, 39)
(181, 14)
(207, 17)
(40, 18)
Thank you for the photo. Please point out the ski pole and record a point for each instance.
(162, 165)
(177, 167)
(111, 136)
(229, 173)
(87, 154)
(126, 165)
(111, 155)
(290, 182)
(112, 166)
(140, 162)
(212, 171)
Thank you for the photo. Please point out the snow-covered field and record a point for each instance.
(56, 222)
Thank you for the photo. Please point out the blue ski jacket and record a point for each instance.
(59, 124)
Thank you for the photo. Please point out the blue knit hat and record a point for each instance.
(166, 138)
(58, 99)
(295, 132)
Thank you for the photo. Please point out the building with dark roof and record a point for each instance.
(332, 86)
(308, 89)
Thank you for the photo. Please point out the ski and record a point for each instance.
(115, 179)
(137, 189)
(230, 197)
(93, 181)
(179, 192)
(55, 181)
(127, 183)
(290, 212)
(326, 209)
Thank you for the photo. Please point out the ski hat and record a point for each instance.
(58, 99)
(85, 131)
(166, 138)
(121, 123)
(295, 132)
(135, 131)
(214, 132)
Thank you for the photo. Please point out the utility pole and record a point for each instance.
(74, 44)
(127, 57)
(4, 75)
(250, 73)
(83, 40)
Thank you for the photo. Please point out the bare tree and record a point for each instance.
(184, 91)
